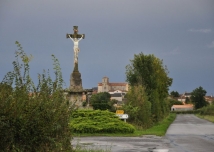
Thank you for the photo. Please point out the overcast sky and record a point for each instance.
(181, 32)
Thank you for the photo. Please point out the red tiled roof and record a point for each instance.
(117, 84)
(114, 84)
(183, 106)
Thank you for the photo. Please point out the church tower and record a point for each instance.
(105, 84)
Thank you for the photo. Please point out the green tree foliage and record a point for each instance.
(208, 110)
(187, 101)
(33, 118)
(101, 101)
(98, 121)
(111, 104)
(84, 103)
(197, 97)
(149, 71)
(174, 94)
(138, 107)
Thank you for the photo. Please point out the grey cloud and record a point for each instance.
(175, 51)
(200, 30)
(211, 45)
(179, 32)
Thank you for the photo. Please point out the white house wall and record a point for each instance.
(117, 98)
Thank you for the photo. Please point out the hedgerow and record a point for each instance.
(98, 121)
(208, 110)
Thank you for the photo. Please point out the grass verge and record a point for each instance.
(159, 129)
(206, 117)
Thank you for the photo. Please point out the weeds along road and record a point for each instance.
(187, 133)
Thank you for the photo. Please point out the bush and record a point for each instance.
(33, 118)
(101, 101)
(98, 121)
(172, 102)
(209, 110)
(84, 103)
(138, 107)
(186, 112)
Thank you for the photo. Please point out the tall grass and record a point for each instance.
(33, 117)
(206, 113)
(206, 117)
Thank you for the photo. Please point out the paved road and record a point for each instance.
(186, 134)
(189, 133)
(122, 144)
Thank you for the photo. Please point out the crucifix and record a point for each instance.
(75, 37)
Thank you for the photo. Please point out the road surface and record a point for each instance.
(187, 133)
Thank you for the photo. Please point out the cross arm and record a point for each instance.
(75, 35)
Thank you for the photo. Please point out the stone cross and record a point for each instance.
(76, 38)
(75, 35)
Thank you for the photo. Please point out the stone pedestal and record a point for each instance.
(76, 97)
(75, 79)
(75, 92)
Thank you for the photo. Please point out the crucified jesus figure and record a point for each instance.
(76, 47)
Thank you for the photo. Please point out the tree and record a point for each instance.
(149, 71)
(101, 101)
(138, 107)
(197, 97)
(174, 94)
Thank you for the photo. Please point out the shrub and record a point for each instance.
(186, 112)
(84, 103)
(98, 121)
(209, 110)
(101, 101)
(138, 107)
(172, 102)
(33, 118)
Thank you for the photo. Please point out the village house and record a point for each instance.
(183, 97)
(117, 95)
(106, 86)
(185, 107)
(209, 99)
(117, 90)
